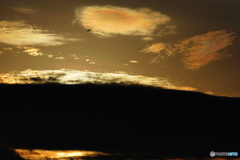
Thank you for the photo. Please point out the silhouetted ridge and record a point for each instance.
(59, 94)
(7, 153)
(117, 117)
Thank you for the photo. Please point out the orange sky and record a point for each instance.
(182, 43)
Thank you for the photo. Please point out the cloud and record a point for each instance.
(33, 51)
(156, 48)
(169, 29)
(50, 56)
(200, 50)
(147, 38)
(60, 58)
(196, 51)
(162, 50)
(20, 33)
(24, 10)
(74, 56)
(90, 61)
(111, 20)
(64, 76)
(133, 61)
(8, 49)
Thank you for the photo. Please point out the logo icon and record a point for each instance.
(212, 154)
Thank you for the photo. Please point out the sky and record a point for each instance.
(179, 44)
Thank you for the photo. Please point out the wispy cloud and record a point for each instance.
(24, 10)
(111, 20)
(33, 51)
(168, 29)
(21, 33)
(133, 61)
(162, 50)
(80, 77)
(74, 56)
(157, 48)
(202, 49)
(60, 58)
(196, 51)
(147, 38)
(8, 49)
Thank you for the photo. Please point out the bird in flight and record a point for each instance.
(88, 30)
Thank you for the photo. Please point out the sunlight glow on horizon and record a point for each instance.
(40, 154)
(65, 76)
(45, 154)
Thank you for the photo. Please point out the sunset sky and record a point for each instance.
(177, 44)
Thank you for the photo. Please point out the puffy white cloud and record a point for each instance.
(20, 33)
(111, 20)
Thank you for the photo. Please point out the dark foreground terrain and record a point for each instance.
(118, 118)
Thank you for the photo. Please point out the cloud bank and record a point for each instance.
(196, 51)
(80, 77)
(110, 20)
(20, 33)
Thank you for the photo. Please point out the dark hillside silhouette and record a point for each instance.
(7, 153)
(118, 118)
